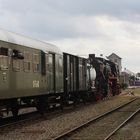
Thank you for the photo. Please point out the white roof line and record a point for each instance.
(27, 41)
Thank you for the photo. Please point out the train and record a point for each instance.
(37, 74)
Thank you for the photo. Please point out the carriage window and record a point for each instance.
(4, 51)
(43, 63)
(47, 62)
(35, 62)
(17, 54)
(16, 65)
(60, 64)
(50, 62)
(4, 58)
(4, 62)
(27, 61)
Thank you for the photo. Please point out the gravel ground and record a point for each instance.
(45, 129)
(132, 90)
(101, 128)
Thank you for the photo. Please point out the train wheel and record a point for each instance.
(62, 103)
(15, 111)
(15, 108)
(41, 106)
(1, 115)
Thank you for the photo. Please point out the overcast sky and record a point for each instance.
(79, 26)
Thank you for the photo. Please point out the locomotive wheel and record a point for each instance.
(15, 111)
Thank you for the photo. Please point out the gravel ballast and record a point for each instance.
(46, 129)
(131, 131)
(99, 129)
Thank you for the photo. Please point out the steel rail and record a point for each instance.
(16, 120)
(65, 134)
(122, 124)
(9, 121)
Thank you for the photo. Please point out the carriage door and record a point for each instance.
(50, 71)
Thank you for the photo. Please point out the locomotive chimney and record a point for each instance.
(91, 57)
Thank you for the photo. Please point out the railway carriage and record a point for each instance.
(75, 77)
(29, 71)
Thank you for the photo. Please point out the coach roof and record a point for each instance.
(28, 42)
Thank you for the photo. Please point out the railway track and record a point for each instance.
(35, 115)
(129, 131)
(9, 121)
(53, 123)
(83, 131)
(122, 124)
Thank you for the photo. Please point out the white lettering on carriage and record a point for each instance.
(36, 84)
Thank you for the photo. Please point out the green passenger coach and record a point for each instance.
(29, 71)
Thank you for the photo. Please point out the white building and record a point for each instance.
(116, 59)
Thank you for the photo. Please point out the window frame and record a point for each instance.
(4, 67)
(27, 61)
(36, 63)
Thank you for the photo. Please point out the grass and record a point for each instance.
(134, 90)
(137, 90)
